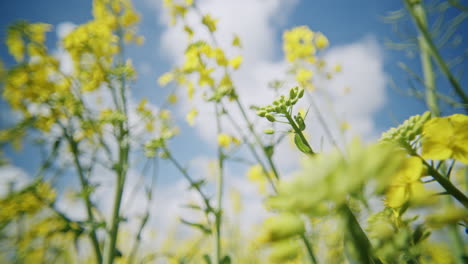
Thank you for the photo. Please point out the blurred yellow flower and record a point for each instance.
(191, 116)
(236, 42)
(321, 41)
(224, 140)
(236, 62)
(165, 78)
(209, 22)
(406, 185)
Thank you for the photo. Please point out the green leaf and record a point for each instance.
(225, 260)
(207, 259)
(203, 228)
(301, 145)
(269, 150)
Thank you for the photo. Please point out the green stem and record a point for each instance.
(308, 246)
(425, 54)
(257, 138)
(85, 187)
(131, 258)
(121, 167)
(362, 244)
(434, 51)
(446, 184)
(193, 183)
(253, 150)
(219, 193)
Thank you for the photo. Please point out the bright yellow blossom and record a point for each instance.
(297, 43)
(236, 62)
(446, 138)
(224, 140)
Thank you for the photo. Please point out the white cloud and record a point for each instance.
(12, 179)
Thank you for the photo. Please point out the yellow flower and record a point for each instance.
(190, 90)
(235, 62)
(209, 22)
(236, 42)
(191, 116)
(298, 43)
(224, 140)
(165, 78)
(406, 185)
(445, 138)
(280, 227)
(337, 68)
(142, 105)
(172, 98)
(321, 41)
(236, 200)
(220, 57)
(258, 176)
(344, 126)
(303, 76)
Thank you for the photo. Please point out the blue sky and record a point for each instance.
(355, 29)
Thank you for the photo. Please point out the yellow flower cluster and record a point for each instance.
(302, 43)
(446, 138)
(28, 201)
(93, 45)
(35, 86)
(300, 46)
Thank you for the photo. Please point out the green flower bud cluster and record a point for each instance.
(407, 132)
(281, 105)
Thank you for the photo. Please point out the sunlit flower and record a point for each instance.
(446, 138)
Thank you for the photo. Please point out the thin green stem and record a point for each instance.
(121, 167)
(257, 138)
(309, 249)
(86, 196)
(446, 184)
(219, 192)
(435, 52)
(425, 54)
(193, 183)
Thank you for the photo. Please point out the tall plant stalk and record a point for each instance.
(122, 164)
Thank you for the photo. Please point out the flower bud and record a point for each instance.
(270, 117)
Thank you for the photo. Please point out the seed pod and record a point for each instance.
(270, 117)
